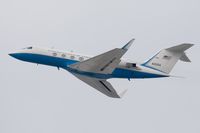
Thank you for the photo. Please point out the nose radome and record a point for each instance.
(12, 54)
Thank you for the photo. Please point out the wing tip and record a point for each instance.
(122, 93)
(128, 45)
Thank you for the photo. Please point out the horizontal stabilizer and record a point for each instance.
(180, 48)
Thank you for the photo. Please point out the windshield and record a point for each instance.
(28, 48)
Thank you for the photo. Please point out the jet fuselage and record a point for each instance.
(61, 59)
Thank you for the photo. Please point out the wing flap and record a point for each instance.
(101, 85)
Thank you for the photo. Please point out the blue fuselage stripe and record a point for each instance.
(64, 63)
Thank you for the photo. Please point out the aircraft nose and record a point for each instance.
(14, 55)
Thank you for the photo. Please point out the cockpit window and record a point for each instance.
(29, 47)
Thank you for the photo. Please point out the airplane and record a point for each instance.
(95, 71)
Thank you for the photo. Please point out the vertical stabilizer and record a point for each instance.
(165, 60)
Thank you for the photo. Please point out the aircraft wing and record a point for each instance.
(104, 63)
(101, 85)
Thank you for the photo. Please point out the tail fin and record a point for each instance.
(165, 60)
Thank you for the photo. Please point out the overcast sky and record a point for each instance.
(41, 99)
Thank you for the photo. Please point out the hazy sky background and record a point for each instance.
(44, 100)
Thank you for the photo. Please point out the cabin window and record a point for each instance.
(54, 54)
(72, 57)
(81, 58)
(63, 55)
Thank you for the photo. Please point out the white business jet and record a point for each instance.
(95, 71)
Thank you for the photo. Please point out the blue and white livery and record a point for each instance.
(95, 71)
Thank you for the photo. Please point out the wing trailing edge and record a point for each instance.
(102, 86)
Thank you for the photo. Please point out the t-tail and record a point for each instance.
(165, 60)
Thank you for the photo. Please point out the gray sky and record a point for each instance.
(42, 99)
